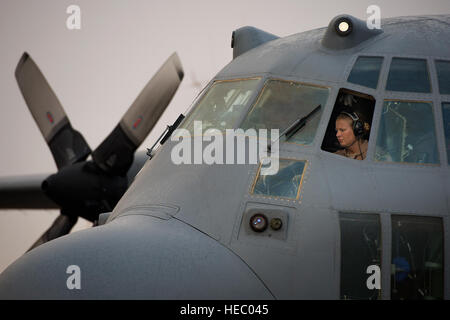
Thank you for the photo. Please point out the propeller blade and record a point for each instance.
(66, 144)
(115, 154)
(24, 192)
(60, 227)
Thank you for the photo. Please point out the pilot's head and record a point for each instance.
(349, 128)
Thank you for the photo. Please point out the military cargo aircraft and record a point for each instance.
(326, 225)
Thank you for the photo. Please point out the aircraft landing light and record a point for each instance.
(343, 27)
(258, 222)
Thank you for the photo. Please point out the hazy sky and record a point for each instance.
(98, 71)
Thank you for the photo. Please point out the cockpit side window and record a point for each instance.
(407, 133)
(223, 105)
(348, 131)
(417, 258)
(443, 73)
(410, 75)
(366, 71)
(283, 102)
(360, 255)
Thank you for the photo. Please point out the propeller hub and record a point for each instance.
(85, 190)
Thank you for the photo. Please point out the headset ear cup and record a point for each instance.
(358, 128)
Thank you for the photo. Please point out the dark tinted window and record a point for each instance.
(360, 248)
(365, 72)
(417, 258)
(446, 119)
(408, 75)
(443, 73)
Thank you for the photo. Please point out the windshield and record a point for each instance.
(281, 102)
(223, 105)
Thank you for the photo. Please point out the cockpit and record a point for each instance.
(406, 128)
(229, 105)
(401, 102)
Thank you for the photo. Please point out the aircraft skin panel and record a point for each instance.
(378, 190)
(300, 53)
(290, 268)
(133, 257)
(198, 190)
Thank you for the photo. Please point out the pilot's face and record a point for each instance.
(344, 132)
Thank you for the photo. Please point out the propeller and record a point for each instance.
(115, 154)
(83, 187)
(66, 144)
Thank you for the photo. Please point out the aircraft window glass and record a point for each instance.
(417, 258)
(409, 75)
(443, 73)
(366, 71)
(223, 105)
(286, 183)
(407, 133)
(281, 103)
(446, 119)
(348, 131)
(360, 248)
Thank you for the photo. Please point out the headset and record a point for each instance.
(358, 125)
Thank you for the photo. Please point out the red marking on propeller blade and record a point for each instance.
(50, 117)
(137, 122)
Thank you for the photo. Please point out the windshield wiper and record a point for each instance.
(166, 133)
(293, 128)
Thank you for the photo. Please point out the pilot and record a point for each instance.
(350, 132)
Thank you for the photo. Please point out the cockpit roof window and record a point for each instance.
(366, 71)
(443, 74)
(282, 102)
(410, 75)
(223, 105)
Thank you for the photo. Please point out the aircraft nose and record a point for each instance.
(132, 257)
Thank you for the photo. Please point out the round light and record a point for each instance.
(343, 26)
(258, 222)
(276, 224)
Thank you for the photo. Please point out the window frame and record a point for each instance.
(429, 75)
(446, 152)
(380, 72)
(383, 242)
(444, 233)
(362, 94)
(299, 188)
(265, 83)
(212, 83)
(435, 165)
(435, 61)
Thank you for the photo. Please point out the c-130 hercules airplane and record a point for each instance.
(325, 226)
